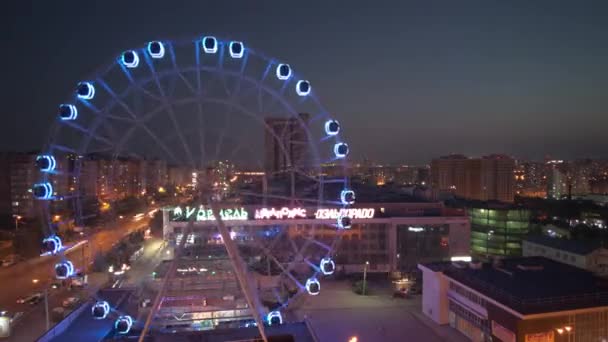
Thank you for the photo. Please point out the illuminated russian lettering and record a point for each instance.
(353, 213)
(269, 213)
(205, 214)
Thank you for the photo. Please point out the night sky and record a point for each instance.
(409, 80)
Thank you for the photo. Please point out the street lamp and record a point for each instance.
(46, 303)
(17, 218)
(365, 277)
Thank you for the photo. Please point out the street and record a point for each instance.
(19, 279)
(85, 328)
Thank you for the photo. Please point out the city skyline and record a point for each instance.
(439, 70)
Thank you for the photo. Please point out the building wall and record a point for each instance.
(373, 240)
(434, 296)
(481, 318)
(286, 144)
(498, 232)
(487, 178)
(533, 249)
(586, 325)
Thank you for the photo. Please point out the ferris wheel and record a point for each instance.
(196, 103)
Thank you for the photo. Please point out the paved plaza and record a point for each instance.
(338, 314)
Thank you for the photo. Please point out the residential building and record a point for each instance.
(557, 180)
(486, 179)
(286, 144)
(519, 299)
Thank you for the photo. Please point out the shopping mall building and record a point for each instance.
(390, 236)
(530, 299)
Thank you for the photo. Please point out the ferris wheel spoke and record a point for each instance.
(177, 70)
(159, 143)
(118, 100)
(236, 92)
(319, 243)
(266, 71)
(170, 111)
(199, 105)
(137, 85)
(123, 139)
(220, 68)
(201, 133)
(62, 148)
(88, 132)
(220, 139)
(315, 267)
(280, 265)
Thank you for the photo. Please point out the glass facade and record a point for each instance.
(364, 242)
(498, 232)
(422, 243)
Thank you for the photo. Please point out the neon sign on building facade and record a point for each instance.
(319, 214)
(234, 214)
(205, 214)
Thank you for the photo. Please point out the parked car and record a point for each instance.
(401, 293)
(77, 282)
(27, 299)
(10, 260)
(70, 302)
(416, 289)
(35, 300)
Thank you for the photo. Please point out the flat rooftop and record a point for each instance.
(572, 246)
(531, 285)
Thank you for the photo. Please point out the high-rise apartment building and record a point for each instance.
(155, 174)
(18, 174)
(485, 179)
(286, 144)
(557, 179)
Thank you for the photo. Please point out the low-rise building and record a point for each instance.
(518, 299)
(588, 255)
